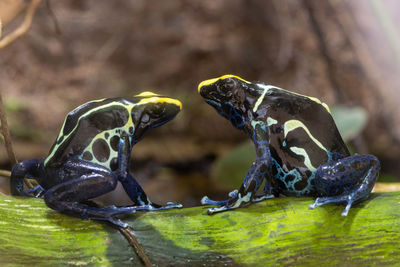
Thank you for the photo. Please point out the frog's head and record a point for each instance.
(153, 110)
(229, 95)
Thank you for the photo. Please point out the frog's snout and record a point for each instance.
(214, 80)
(205, 83)
(177, 103)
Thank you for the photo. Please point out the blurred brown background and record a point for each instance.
(341, 51)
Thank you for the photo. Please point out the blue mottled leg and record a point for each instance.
(267, 193)
(253, 179)
(246, 192)
(132, 188)
(25, 169)
(346, 180)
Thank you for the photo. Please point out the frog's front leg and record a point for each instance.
(346, 180)
(246, 192)
(252, 181)
(131, 187)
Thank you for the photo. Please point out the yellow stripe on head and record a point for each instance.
(156, 99)
(147, 94)
(211, 81)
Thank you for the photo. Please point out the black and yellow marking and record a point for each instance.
(92, 130)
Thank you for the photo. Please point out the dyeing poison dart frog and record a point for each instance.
(298, 146)
(91, 154)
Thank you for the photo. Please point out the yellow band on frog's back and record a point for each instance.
(211, 81)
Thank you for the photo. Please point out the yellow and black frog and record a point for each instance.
(91, 154)
(299, 149)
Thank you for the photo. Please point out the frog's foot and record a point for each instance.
(320, 201)
(139, 197)
(107, 214)
(207, 201)
(233, 203)
(114, 221)
(93, 213)
(172, 205)
(261, 198)
(154, 207)
(37, 191)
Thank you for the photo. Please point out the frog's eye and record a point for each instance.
(228, 85)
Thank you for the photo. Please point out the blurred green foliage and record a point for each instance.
(350, 121)
(16, 111)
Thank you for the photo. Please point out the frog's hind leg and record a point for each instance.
(346, 180)
(71, 198)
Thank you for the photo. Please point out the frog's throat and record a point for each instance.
(211, 81)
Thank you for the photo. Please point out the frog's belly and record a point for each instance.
(293, 182)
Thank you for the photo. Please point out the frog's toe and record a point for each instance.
(261, 198)
(216, 210)
(206, 201)
(112, 211)
(173, 205)
(155, 207)
(117, 222)
(110, 219)
(319, 201)
(346, 210)
(313, 206)
(336, 199)
(37, 191)
(233, 193)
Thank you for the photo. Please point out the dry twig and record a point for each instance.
(128, 234)
(323, 47)
(5, 173)
(23, 28)
(6, 133)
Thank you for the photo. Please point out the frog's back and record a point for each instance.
(303, 135)
(92, 126)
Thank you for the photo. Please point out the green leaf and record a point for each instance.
(350, 121)
(280, 231)
(230, 169)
